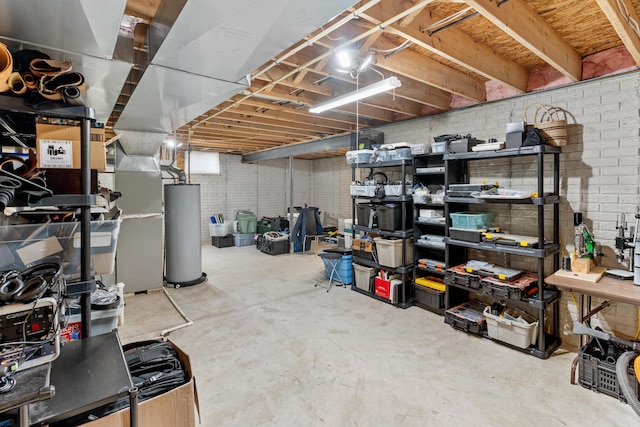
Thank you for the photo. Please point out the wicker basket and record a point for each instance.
(552, 123)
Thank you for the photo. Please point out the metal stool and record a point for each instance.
(333, 258)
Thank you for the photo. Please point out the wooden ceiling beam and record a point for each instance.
(428, 71)
(624, 20)
(521, 22)
(278, 116)
(454, 45)
(241, 115)
(226, 125)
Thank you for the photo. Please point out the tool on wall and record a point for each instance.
(583, 239)
(628, 242)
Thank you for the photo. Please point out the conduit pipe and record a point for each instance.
(188, 321)
(364, 35)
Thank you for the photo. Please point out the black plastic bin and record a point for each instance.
(222, 241)
(390, 217)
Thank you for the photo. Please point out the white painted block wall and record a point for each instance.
(600, 172)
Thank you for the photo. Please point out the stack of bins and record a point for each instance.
(344, 268)
(247, 227)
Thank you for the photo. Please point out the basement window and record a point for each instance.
(202, 163)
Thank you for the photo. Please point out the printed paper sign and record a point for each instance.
(55, 154)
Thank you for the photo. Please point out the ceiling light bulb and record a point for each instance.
(170, 143)
(344, 59)
(374, 89)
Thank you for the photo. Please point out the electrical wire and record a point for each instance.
(393, 49)
(635, 337)
(447, 21)
(627, 17)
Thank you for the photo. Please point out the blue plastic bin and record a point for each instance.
(344, 268)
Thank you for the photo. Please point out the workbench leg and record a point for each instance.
(133, 406)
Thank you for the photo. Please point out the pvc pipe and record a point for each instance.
(188, 321)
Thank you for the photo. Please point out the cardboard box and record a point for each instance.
(177, 407)
(58, 144)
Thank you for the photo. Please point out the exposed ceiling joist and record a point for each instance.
(517, 19)
(625, 21)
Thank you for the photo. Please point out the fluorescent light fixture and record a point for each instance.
(374, 89)
(366, 62)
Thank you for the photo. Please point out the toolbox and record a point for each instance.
(431, 264)
(511, 240)
(463, 145)
(459, 276)
(521, 288)
(429, 299)
(466, 235)
(468, 317)
(431, 282)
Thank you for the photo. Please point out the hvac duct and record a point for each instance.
(183, 264)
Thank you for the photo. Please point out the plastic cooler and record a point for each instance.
(343, 268)
(247, 222)
(390, 251)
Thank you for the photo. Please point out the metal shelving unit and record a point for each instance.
(545, 298)
(17, 111)
(430, 170)
(405, 297)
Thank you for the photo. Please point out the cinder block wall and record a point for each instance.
(599, 173)
(261, 188)
(599, 169)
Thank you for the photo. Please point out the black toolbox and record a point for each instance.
(523, 287)
(459, 276)
(468, 317)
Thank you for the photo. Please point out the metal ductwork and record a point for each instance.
(138, 151)
(200, 53)
(81, 31)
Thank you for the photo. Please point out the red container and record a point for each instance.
(382, 287)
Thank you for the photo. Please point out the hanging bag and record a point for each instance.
(552, 123)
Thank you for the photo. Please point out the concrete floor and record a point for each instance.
(270, 349)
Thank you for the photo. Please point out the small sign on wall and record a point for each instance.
(55, 154)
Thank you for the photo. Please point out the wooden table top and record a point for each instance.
(607, 287)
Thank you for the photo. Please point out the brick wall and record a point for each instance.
(600, 173)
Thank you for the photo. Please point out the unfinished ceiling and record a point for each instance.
(241, 96)
(447, 54)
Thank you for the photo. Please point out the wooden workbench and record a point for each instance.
(608, 288)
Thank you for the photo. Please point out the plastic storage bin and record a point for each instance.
(243, 239)
(396, 189)
(390, 251)
(23, 245)
(597, 368)
(219, 230)
(366, 214)
(362, 276)
(362, 190)
(429, 299)
(247, 222)
(438, 147)
(471, 220)
(343, 268)
(222, 241)
(390, 217)
(359, 156)
(102, 322)
(518, 334)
